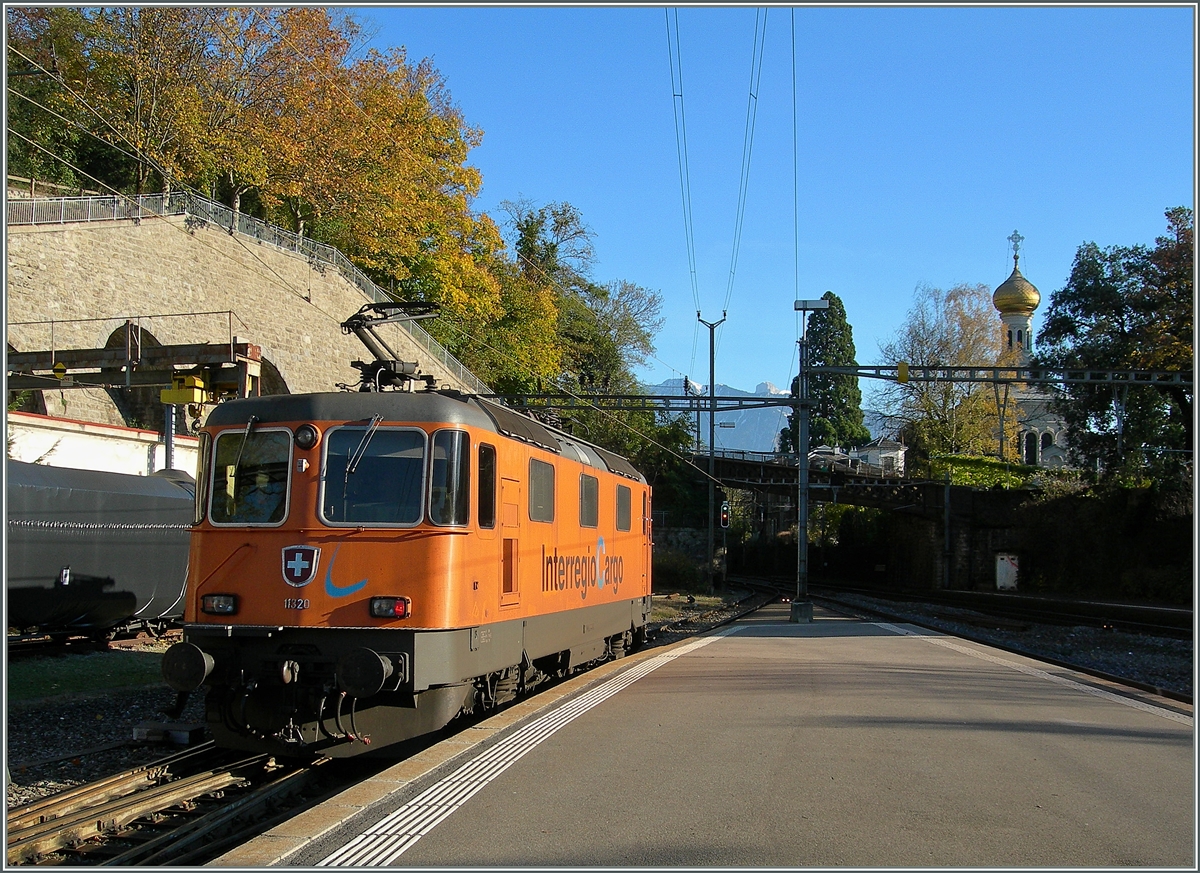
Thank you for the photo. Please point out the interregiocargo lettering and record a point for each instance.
(581, 572)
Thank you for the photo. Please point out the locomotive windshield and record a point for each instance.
(386, 483)
(250, 476)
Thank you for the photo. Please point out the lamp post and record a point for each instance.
(802, 608)
(712, 417)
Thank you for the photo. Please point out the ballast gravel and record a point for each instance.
(52, 745)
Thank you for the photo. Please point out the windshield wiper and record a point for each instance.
(352, 464)
(237, 463)
(362, 446)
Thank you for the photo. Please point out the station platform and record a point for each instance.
(840, 742)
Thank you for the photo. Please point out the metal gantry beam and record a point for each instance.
(1018, 375)
(638, 402)
(731, 403)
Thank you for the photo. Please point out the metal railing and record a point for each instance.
(816, 461)
(64, 210)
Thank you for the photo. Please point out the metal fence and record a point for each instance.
(63, 210)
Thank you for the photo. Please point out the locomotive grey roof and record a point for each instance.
(521, 427)
(421, 407)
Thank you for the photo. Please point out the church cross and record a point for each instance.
(1016, 239)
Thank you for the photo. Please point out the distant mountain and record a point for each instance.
(754, 430)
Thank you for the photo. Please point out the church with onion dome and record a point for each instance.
(1041, 432)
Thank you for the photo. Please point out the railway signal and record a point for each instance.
(725, 514)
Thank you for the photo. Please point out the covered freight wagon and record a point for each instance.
(92, 552)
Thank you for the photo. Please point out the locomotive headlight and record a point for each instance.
(307, 436)
(219, 604)
(391, 607)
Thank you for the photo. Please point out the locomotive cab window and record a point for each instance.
(373, 475)
(203, 475)
(251, 471)
(449, 477)
(589, 500)
(624, 508)
(541, 490)
(487, 485)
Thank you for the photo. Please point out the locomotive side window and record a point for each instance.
(487, 485)
(449, 477)
(541, 490)
(202, 476)
(624, 508)
(589, 500)
(251, 471)
(374, 475)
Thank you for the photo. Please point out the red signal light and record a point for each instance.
(391, 607)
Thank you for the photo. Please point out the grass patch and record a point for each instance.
(34, 678)
(671, 607)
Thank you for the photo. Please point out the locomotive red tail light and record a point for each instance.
(219, 604)
(391, 607)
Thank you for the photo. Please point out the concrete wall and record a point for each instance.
(165, 271)
(81, 445)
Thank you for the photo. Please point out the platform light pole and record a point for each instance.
(802, 608)
(712, 418)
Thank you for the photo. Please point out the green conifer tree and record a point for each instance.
(836, 416)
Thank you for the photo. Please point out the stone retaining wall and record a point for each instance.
(161, 271)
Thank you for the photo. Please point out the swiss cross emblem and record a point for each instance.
(300, 564)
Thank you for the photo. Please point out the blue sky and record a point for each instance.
(926, 135)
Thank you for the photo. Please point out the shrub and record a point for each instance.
(675, 571)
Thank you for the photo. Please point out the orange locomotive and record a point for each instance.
(367, 566)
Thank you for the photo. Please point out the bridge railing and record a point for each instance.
(818, 462)
(64, 210)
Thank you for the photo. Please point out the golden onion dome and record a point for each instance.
(1016, 294)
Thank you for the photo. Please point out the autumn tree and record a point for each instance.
(143, 77)
(951, 328)
(1127, 307)
(53, 134)
(835, 417)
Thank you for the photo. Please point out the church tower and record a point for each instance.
(1015, 300)
(1041, 438)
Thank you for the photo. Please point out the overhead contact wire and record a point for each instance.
(756, 56)
(676, 63)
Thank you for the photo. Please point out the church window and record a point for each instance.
(1010, 339)
(1031, 449)
(1047, 441)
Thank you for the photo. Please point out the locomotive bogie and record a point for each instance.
(409, 554)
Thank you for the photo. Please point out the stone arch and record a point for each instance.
(29, 401)
(270, 380)
(139, 406)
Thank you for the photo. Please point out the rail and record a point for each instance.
(201, 211)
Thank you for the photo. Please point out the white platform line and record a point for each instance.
(396, 833)
(1181, 718)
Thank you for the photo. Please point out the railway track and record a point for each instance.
(1134, 618)
(189, 807)
(178, 810)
